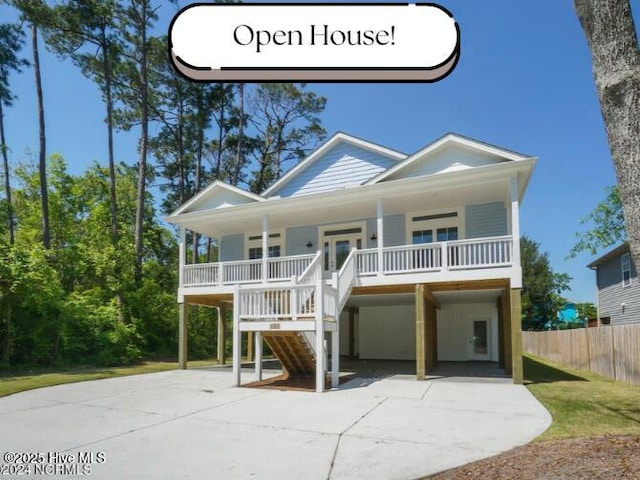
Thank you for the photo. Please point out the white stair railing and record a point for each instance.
(343, 282)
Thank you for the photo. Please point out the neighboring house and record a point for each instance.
(384, 255)
(618, 287)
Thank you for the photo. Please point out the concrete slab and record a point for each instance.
(193, 424)
(195, 448)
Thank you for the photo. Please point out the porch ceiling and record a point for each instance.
(445, 298)
(348, 204)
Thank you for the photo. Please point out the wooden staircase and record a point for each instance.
(293, 351)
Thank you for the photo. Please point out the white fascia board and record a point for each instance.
(216, 185)
(446, 139)
(334, 140)
(455, 179)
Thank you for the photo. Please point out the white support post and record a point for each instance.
(183, 335)
(335, 280)
(258, 356)
(265, 246)
(335, 355)
(319, 348)
(182, 254)
(293, 300)
(237, 339)
(516, 281)
(444, 257)
(221, 273)
(380, 236)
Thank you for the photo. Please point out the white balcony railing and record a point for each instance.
(245, 271)
(471, 254)
(480, 253)
(436, 257)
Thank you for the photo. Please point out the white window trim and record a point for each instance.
(458, 221)
(343, 226)
(281, 240)
(627, 257)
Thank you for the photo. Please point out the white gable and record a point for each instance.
(342, 165)
(449, 153)
(217, 195)
(448, 158)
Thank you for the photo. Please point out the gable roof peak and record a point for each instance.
(337, 138)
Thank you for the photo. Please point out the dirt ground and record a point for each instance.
(607, 457)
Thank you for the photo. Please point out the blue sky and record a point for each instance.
(524, 82)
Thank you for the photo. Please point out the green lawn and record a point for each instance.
(27, 380)
(582, 404)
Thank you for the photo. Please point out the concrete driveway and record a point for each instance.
(191, 424)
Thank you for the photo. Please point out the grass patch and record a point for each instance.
(582, 404)
(28, 380)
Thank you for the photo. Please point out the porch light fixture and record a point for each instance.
(374, 237)
(309, 244)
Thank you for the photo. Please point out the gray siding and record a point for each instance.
(394, 231)
(343, 165)
(611, 293)
(298, 237)
(232, 247)
(486, 220)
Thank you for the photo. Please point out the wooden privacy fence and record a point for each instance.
(612, 351)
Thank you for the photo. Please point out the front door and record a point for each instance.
(337, 249)
(478, 339)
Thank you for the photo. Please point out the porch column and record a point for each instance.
(431, 336)
(222, 316)
(237, 338)
(380, 235)
(352, 332)
(506, 338)
(258, 365)
(182, 254)
(420, 333)
(335, 357)
(319, 347)
(516, 336)
(265, 246)
(183, 314)
(249, 346)
(516, 280)
(501, 339)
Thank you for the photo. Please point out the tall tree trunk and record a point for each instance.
(112, 166)
(44, 192)
(6, 348)
(113, 201)
(611, 35)
(239, 156)
(144, 140)
(7, 177)
(202, 116)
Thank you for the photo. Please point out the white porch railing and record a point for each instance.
(477, 253)
(480, 253)
(275, 303)
(440, 256)
(246, 271)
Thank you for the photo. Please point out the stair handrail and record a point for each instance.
(313, 272)
(343, 280)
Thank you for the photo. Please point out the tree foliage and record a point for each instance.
(607, 225)
(541, 286)
(104, 292)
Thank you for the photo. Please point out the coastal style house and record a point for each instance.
(618, 297)
(365, 251)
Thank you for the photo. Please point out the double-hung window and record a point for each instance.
(626, 270)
